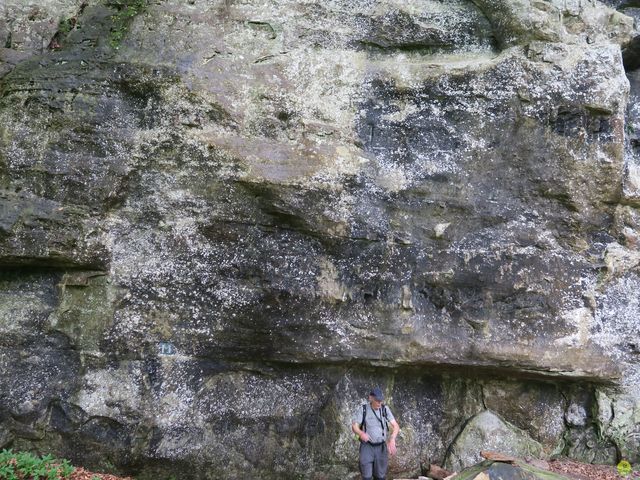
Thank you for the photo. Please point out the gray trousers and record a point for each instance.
(374, 461)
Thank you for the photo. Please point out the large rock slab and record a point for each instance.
(506, 471)
(222, 221)
(487, 431)
(39, 232)
(537, 409)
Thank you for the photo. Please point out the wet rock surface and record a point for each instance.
(221, 222)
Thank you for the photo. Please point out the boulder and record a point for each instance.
(489, 470)
(536, 408)
(487, 431)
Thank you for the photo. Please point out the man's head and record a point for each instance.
(376, 397)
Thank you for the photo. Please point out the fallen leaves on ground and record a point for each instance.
(588, 471)
(569, 468)
(82, 474)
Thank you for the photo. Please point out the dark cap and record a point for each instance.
(376, 393)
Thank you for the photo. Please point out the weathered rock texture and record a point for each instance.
(222, 221)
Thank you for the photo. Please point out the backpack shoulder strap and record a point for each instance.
(384, 415)
(363, 424)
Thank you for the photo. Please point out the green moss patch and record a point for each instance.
(126, 11)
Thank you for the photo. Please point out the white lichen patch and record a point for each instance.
(581, 320)
(392, 178)
(616, 319)
(440, 228)
(329, 283)
(631, 186)
(114, 393)
(619, 259)
(256, 396)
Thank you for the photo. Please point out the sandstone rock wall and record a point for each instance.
(222, 221)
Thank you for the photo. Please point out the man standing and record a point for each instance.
(371, 423)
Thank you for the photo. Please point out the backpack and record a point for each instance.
(363, 423)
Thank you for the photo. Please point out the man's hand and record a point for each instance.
(362, 435)
(392, 446)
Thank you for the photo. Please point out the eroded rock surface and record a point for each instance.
(221, 222)
(490, 431)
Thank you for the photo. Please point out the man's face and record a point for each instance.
(375, 404)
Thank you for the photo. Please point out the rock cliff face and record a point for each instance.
(222, 221)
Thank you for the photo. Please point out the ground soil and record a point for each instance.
(587, 471)
(568, 468)
(82, 474)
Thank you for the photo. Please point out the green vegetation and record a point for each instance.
(65, 26)
(126, 11)
(26, 466)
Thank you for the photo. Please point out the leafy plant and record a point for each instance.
(66, 469)
(25, 465)
(66, 25)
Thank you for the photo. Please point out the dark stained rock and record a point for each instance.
(39, 232)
